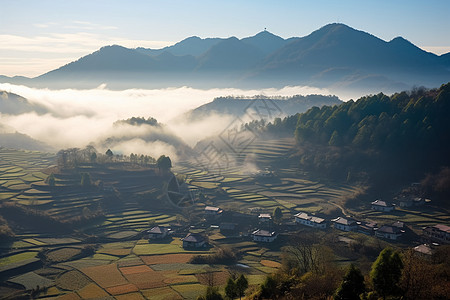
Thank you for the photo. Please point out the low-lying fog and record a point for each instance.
(76, 118)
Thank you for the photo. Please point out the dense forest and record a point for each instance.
(382, 139)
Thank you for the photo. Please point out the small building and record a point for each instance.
(424, 250)
(311, 221)
(438, 233)
(367, 227)
(265, 218)
(158, 232)
(266, 236)
(345, 224)
(411, 201)
(211, 211)
(381, 206)
(194, 240)
(389, 232)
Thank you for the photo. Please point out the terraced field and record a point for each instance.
(125, 265)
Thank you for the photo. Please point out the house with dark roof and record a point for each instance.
(266, 236)
(389, 232)
(311, 221)
(381, 206)
(194, 240)
(367, 227)
(158, 232)
(439, 233)
(344, 224)
(227, 226)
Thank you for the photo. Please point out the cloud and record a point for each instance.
(76, 118)
(439, 50)
(49, 50)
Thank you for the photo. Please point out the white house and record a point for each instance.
(211, 211)
(311, 221)
(264, 218)
(381, 206)
(345, 224)
(264, 236)
(193, 240)
(389, 232)
(158, 232)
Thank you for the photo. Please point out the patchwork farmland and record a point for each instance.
(106, 254)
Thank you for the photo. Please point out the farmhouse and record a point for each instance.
(193, 240)
(211, 211)
(345, 224)
(158, 232)
(411, 201)
(424, 250)
(265, 218)
(367, 227)
(389, 232)
(438, 233)
(264, 236)
(381, 206)
(311, 221)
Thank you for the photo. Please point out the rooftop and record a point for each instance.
(442, 227)
(344, 221)
(193, 238)
(380, 203)
(159, 230)
(265, 233)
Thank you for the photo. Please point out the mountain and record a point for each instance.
(229, 55)
(13, 104)
(194, 46)
(267, 42)
(282, 106)
(335, 56)
(336, 53)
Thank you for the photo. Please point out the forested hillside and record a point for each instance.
(401, 137)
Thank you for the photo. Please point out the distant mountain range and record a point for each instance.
(335, 56)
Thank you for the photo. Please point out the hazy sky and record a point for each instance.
(38, 36)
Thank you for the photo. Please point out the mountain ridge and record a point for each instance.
(334, 56)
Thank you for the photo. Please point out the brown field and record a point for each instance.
(164, 293)
(135, 269)
(122, 289)
(105, 275)
(92, 291)
(180, 279)
(181, 258)
(147, 280)
(132, 296)
(270, 263)
(72, 280)
(219, 278)
(71, 296)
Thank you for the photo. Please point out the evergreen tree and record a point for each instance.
(277, 214)
(352, 285)
(231, 288)
(241, 285)
(386, 273)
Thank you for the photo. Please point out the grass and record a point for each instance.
(189, 291)
(152, 248)
(16, 258)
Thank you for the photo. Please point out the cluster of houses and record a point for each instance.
(265, 233)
